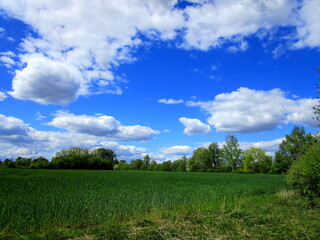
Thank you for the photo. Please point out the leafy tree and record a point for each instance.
(182, 164)
(165, 166)
(293, 146)
(256, 160)
(71, 151)
(304, 173)
(231, 153)
(137, 164)
(153, 166)
(22, 162)
(40, 162)
(105, 153)
(317, 107)
(215, 155)
(8, 163)
(201, 160)
(146, 161)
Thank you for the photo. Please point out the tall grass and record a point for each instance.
(42, 199)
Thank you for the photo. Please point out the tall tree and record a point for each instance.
(256, 160)
(293, 146)
(146, 161)
(215, 154)
(231, 153)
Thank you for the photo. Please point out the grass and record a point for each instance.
(79, 204)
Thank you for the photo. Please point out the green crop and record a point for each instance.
(42, 199)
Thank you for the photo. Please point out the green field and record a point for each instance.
(63, 204)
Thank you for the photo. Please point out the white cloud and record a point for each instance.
(194, 126)
(309, 28)
(215, 23)
(268, 146)
(17, 138)
(87, 39)
(177, 150)
(8, 62)
(247, 110)
(170, 101)
(3, 96)
(47, 82)
(101, 126)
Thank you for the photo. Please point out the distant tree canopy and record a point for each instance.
(229, 158)
(82, 158)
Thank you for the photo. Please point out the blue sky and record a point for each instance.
(155, 77)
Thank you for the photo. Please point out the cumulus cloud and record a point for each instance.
(177, 150)
(216, 22)
(194, 126)
(85, 37)
(18, 138)
(47, 82)
(14, 130)
(308, 28)
(170, 101)
(248, 111)
(85, 40)
(101, 126)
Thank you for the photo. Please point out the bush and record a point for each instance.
(304, 174)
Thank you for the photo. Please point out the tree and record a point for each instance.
(231, 153)
(317, 107)
(165, 166)
(215, 155)
(256, 160)
(293, 146)
(105, 153)
(137, 164)
(8, 163)
(22, 162)
(39, 162)
(71, 151)
(146, 161)
(304, 173)
(153, 166)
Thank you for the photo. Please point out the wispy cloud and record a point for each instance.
(170, 101)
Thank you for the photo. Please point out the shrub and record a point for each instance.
(304, 174)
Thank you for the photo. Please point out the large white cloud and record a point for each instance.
(47, 82)
(101, 126)
(247, 110)
(194, 126)
(88, 38)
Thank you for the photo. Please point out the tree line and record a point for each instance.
(229, 158)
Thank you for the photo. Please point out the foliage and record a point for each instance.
(304, 174)
(82, 158)
(293, 146)
(231, 153)
(256, 160)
